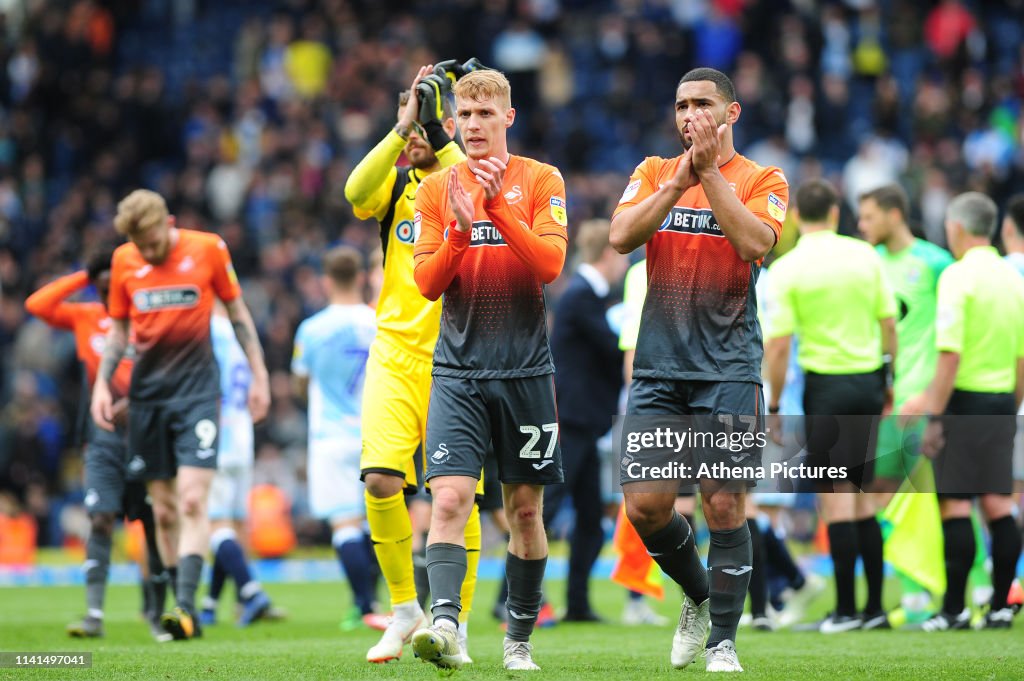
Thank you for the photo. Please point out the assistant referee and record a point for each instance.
(831, 292)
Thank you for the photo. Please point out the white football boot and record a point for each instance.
(407, 618)
(722, 658)
(519, 656)
(438, 645)
(691, 633)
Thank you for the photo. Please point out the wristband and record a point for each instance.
(773, 409)
(887, 368)
(436, 135)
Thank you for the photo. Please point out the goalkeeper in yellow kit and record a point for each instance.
(397, 387)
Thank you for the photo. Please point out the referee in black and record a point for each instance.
(830, 291)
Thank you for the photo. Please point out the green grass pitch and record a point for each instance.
(309, 645)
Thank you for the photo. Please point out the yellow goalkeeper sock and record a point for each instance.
(391, 532)
(472, 562)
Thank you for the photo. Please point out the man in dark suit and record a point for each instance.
(588, 378)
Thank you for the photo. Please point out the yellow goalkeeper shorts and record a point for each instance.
(396, 395)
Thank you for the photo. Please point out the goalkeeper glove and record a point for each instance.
(454, 70)
(432, 92)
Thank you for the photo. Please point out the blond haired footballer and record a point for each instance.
(397, 388)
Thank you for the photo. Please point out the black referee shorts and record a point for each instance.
(843, 442)
(977, 457)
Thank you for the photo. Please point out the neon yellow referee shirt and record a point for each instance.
(981, 316)
(830, 291)
(633, 295)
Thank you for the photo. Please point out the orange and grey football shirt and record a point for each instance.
(170, 306)
(88, 321)
(699, 320)
(493, 317)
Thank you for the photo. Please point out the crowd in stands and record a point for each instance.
(248, 116)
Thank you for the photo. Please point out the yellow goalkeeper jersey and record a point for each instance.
(378, 189)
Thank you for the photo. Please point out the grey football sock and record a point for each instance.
(730, 561)
(172, 580)
(674, 549)
(446, 570)
(190, 569)
(159, 585)
(524, 595)
(97, 561)
(148, 597)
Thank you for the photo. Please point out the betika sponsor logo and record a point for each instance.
(166, 298)
(691, 221)
(485, 234)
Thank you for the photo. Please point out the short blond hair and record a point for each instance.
(139, 212)
(485, 84)
(592, 239)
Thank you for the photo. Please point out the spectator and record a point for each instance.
(947, 28)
